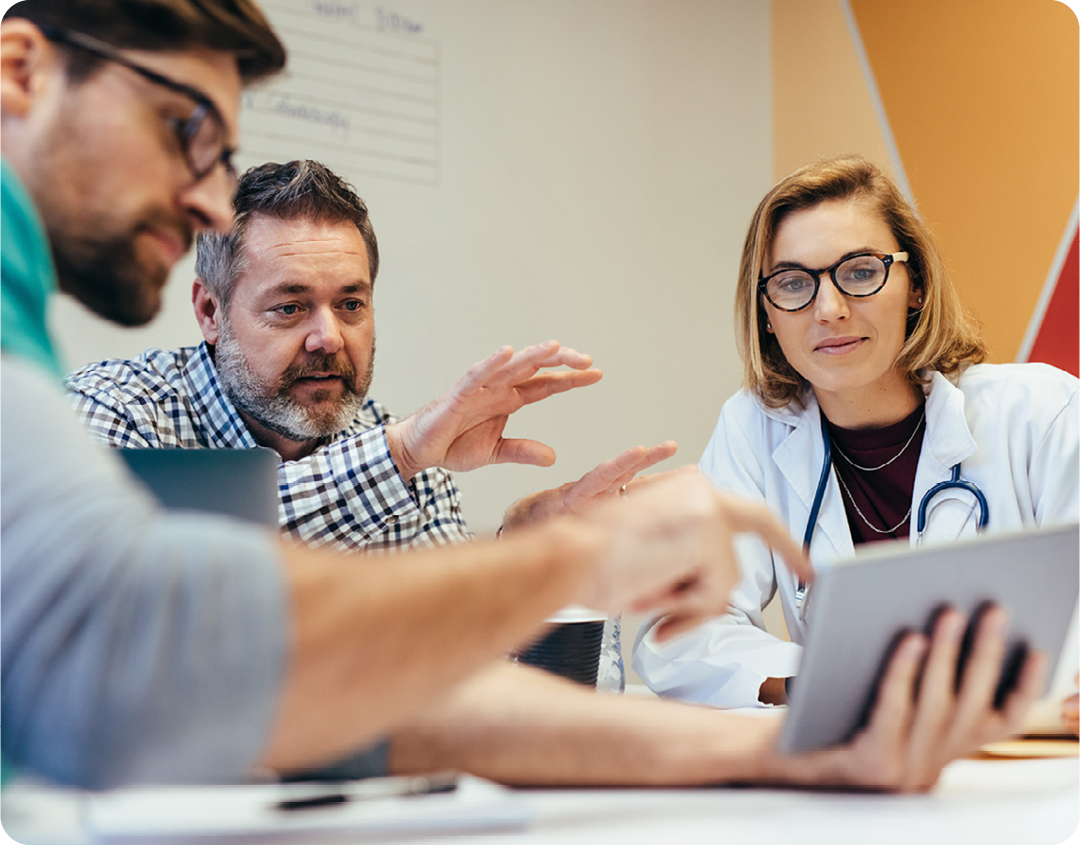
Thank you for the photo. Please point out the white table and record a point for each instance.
(1012, 802)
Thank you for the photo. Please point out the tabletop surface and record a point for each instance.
(1007, 801)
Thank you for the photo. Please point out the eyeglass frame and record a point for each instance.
(185, 129)
(887, 259)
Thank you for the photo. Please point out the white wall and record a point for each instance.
(598, 161)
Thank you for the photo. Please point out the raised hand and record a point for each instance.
(463, 428)
(603, 482)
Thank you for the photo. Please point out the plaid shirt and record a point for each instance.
(348, 495)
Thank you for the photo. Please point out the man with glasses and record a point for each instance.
(143, 646)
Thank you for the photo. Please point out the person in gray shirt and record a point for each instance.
(140, 646)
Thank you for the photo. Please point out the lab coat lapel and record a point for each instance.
(832, 539)
(947, 442)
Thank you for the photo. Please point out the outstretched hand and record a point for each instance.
(668, 550)
(605, 481)
(463, 428)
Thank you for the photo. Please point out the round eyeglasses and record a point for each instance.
(202, 136)
(793, 288)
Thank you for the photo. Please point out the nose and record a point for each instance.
(830, 304)
(208, 202)
(324, 334)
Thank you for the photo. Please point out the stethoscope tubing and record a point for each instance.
(953, 483)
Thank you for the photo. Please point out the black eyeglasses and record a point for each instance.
(793, 288)
(201, 136)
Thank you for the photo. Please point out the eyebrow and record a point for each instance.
(795, 265)
(297, 289)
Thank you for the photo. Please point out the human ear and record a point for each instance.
(207, 311)
(25, 55)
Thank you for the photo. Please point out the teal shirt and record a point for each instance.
(27, 277)
(27, 280)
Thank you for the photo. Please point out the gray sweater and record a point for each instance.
(135, 645)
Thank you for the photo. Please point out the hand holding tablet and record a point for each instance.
(878, 605)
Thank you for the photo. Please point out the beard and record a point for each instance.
(270, 403)
(95, 220)
(108, 276)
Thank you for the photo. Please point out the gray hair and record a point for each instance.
(295, 190)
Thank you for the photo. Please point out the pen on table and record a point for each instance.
(326, 795)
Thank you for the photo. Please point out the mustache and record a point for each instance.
(322, 364)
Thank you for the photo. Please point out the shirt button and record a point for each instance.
(390, 520)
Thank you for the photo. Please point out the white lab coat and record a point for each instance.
(1014, 429)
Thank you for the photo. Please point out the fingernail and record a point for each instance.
(914, 648)
(998, 620)
(953, 626)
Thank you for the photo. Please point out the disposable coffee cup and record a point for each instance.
(570, 648)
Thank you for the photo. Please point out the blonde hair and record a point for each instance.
(941, 335)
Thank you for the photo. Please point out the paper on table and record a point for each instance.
(209, 813)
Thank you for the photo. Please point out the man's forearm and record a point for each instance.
(370, 643)
(517, 725)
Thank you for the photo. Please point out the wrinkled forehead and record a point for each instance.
(300, 252)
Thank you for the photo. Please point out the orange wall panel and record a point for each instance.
(983, 99)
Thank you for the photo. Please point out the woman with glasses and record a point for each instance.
(867, 414)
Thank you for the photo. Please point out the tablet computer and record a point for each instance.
(859, 609)
(233, 482)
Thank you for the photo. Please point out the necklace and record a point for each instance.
(862, 516)
(918, 425)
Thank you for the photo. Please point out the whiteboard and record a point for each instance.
(576, 169)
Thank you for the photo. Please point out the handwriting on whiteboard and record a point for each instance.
(361, 92)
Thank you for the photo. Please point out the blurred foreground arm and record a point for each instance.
(517, 725)
(371, 644)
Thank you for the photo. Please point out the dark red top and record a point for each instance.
(883, 495)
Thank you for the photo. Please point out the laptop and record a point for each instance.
(862, 607)
(234, 482)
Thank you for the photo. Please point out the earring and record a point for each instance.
(920, 299)
(768, 325)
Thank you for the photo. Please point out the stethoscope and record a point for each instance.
(954, 483)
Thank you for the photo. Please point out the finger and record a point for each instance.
(646, 481)
(604, 477)
(894, 703)
(754, 517)
(538, 387)
(526, 363)
(1028, 689)
(554, 354)
(983, 670)
(651, 457)
(480, 372)
(518, 451)
(937, 695)
(686, 604)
